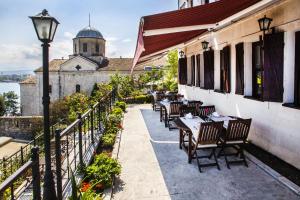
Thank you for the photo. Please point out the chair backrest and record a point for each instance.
(195, 104)
(175, 108)
(238, 130)
(160, 96)
(184, 109)
(209, 132)
(172, 97)
(204, 111)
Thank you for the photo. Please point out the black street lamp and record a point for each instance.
(204, 45)
(45, 27)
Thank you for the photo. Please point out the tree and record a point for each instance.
(11, 102)
(2, 106)
(171, 71)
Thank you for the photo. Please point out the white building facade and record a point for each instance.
(87, 66)
(242, 75)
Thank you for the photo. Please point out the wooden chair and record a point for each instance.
(235, 137)
(204, 111)
(195, 104)
(156, 99)
(174, 112)
(185, 109)
(207, 138)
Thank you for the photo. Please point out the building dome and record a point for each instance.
(89, 32)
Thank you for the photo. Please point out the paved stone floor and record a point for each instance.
(153, 167)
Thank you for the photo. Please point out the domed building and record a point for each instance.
(89, 42)
(86, 66)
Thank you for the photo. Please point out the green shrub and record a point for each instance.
(103, 170)
(117, 111)
(108, 139)
(143, 99)
(122, 105)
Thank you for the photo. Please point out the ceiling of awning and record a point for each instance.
(173, 28)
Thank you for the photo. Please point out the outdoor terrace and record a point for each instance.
(153, 167)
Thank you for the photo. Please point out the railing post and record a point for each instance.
(22, 156)
(99, 116)
(81, 165)
(92, 124)
(58, 164)
(36, 179)
(4, 168)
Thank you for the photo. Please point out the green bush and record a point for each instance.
(103, 169)
(108, 139)
(122, 105)
(117, 111)
(143, 99)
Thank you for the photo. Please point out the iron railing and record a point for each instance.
(12, 188)
(10, 164)
(72, 149)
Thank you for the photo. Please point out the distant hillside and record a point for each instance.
(19, 72)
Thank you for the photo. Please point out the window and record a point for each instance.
(50, 89)
(267, 68)
(182, 71)
(198, 70)
(209, 69)
(75, 48)
(97, 48)
(225, 70)
(84, 47)
(297, 69)
(193, 70)
(77, 88)
(257, 70)
(239, 89)
(273, 67)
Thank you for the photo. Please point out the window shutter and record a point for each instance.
(209, 69)
(193, 70)
(227, 69)
(182, 71)
(198, 70)
(273, 67)
(239, 89)
(297, 69)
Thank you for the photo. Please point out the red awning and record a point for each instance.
(153, 31)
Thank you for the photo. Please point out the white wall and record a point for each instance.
(275, 128)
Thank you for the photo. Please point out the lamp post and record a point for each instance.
(204, 45)
(45, 27)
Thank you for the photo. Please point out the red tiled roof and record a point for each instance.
(200, 15)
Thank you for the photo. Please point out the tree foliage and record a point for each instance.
(171, 71)
(11, 103)
(77, 103)
(2, 106)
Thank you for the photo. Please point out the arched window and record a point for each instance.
(77, 88)
(84, 48)
(97, 48)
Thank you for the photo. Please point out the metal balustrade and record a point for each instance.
(71, 150)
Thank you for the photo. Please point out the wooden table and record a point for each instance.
(191, 127)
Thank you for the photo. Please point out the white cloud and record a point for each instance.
(126, 40)
(111, 39)
(18, 56)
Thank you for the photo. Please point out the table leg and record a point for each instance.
(160, 110)
(180, 138)
(166, 118)
(190, 148)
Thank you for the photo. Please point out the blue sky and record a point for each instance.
(116, 20)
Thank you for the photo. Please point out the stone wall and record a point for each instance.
(22, 128)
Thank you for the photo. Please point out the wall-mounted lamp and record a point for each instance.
(204, 45)
(181, 54)
(264, 23)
